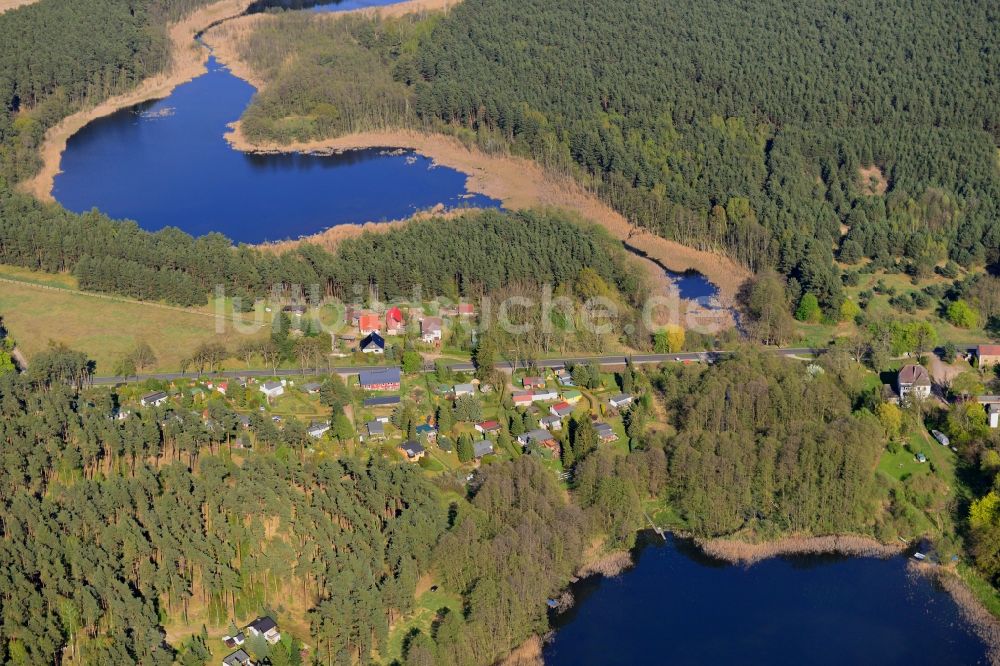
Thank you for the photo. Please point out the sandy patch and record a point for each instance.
(872, 180)
(7, 5)
(528, 653)
(740, 552)
(188, 62)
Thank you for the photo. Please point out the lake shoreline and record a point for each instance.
(517, 182)
(735, 551)
(188, 60)
(984, 623)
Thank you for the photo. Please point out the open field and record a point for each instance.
(105, 328)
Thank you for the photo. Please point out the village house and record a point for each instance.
(312, 388)
(272, 390)
(318, 429)
(466, 310)
(375, 430)
(413, 450)
(539, 438)
(991, 403)
(372, 344)
(369, 322)
(294, 310)
(394, 321)
(464, 389)
(265, 627)
(564, 378)
(379, 379)
(381, 401)
(238, 658)
(550, 422)
(154, 399)
(533, 382)
(544, 395)
(488, 427)
(913, 380)
(430, 329)
(605, 432)
(620, 400)
(988, 355)
(561, 409)
(572, 396)
(427, 431)
(234, 641)
(521, 398)
(483, 447)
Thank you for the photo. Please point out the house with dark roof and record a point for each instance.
(375, 430)
(913, 380)
(412, 450)
(550, 422)
(238, 658)
(620, 400)
(153, 399)
(539, 437)
(605, 432)
(372, 344)
(382, 401)
(266, 627)
(483, 447)
(312, 388)
(234, 641)
(379, 379)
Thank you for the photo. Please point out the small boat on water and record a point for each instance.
(919, 556)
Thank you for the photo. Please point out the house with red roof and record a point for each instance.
(369, 323)
(988, 355)
(394, 321)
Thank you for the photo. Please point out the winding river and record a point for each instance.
(678, 606)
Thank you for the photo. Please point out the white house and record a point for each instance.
(913, 380)
(430, 329)
(266, 627)
(545, 395)
(155, 399)
(620, 400)
(317, 430)
(464, 389)
(272, 389)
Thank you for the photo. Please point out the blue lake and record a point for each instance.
(166, 163)
(678, 606)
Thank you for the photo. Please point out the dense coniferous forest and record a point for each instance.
(782, 135)
(743, 126)
(470, 254)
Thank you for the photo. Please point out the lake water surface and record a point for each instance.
(678, 606)
(166, 163)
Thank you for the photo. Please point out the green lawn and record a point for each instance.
(429, 604)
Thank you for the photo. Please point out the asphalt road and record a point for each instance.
(638, 359)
